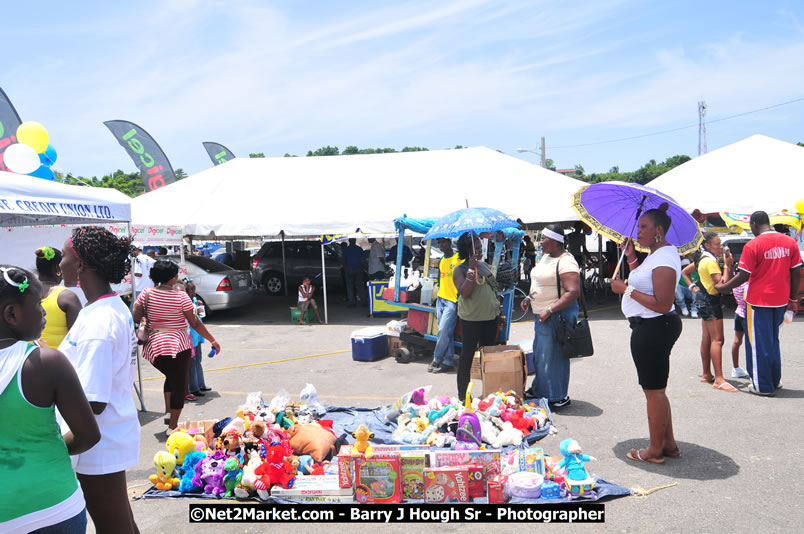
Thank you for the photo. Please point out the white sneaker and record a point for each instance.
(685, 312)
(739, 372)
(694, 315)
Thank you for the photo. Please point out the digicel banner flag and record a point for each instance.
(218, 153)
(145, 152)
(9, 122)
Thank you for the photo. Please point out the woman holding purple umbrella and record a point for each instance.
(648, 303)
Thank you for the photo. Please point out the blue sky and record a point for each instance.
(279, 77)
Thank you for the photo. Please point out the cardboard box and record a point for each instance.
(503, 368)
(446, 484)
(476, 373)
(477, 481)
(378, 479)
(393, 343)
(199, 427)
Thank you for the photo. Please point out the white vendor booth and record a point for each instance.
(36, 213)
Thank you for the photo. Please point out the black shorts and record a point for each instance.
(709, 306)
(739, 323)
(651, 343)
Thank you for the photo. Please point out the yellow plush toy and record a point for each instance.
(180, 444)
(165, 463)
(362, 435)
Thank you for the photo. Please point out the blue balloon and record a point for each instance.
(48, 157)
(46, 173)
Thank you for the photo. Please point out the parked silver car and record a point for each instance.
(217, 285)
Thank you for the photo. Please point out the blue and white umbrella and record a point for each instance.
(475, 220)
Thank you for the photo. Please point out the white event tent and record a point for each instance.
(316, 195)
(30, 207)
(757, 173)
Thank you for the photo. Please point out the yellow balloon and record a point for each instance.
(34, 135)
(800, 205)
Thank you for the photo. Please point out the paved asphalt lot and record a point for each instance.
(741, 454)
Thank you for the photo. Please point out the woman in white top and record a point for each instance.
(102, 347)
(549, 302)
(648, 298)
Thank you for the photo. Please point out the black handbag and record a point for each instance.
(575, 339)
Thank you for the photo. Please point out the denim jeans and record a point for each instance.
(75, 525)
(354, 284)
(447, 315)
(552, 368)
(197, 371)
(683, 294)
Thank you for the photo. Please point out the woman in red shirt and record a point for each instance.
(169, 347)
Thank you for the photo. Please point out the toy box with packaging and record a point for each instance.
(524, 460)
(369, 344)
(496, 490)
(488, 459)
(345, 459)
(446, 484)
(413, 465)
(378, 479)
(317, 485)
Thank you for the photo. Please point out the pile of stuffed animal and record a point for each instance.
(264, 446)
(499, 420)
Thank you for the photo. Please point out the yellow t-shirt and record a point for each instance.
(56, 320)
(706, 268)
(446, 287)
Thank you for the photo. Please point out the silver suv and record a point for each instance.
(302, 258)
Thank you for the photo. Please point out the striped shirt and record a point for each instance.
(170, 333)
(739, 297)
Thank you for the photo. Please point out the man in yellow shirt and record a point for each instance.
(446, 310)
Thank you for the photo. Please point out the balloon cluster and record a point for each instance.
(32, 154)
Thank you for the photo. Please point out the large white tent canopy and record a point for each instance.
(757, 173)
(317, 195)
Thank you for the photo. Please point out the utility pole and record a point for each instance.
(544, 158)
(701, 127)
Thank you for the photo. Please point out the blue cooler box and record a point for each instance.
(527, 348)
(370, 344)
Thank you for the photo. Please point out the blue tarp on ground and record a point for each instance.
(346, 419)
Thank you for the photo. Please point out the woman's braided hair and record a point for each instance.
(103, 252)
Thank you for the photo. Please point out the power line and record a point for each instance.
(680, 127)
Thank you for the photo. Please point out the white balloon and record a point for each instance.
(21, 159)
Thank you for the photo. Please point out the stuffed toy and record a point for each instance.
(179, 444)
(234, 424)
(165, 464)
(520, 421)
(304, 418)
(233, 475)
(273, 471)
(363, 447)
(231, 443)
(450, 415)
(201, 444)
(246, 487)
(312, 439)
(186, 483)
(306, 464)
(573, 461)
(209, 474)
(507, 436)
(258, 429)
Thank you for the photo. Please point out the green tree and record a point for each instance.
(549, 164)
(578, 170)
(324, 151)
(415, 149)
(180, 174)
(257, 155)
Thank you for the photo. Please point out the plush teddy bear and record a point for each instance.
(273, 471)
(363, 435)
(507, 436)
(246, 487)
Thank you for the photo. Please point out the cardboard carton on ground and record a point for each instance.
(502, 368)
(199, 427)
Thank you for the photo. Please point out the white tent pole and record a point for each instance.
(139, 361)
(284, 269)
(324, 278)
